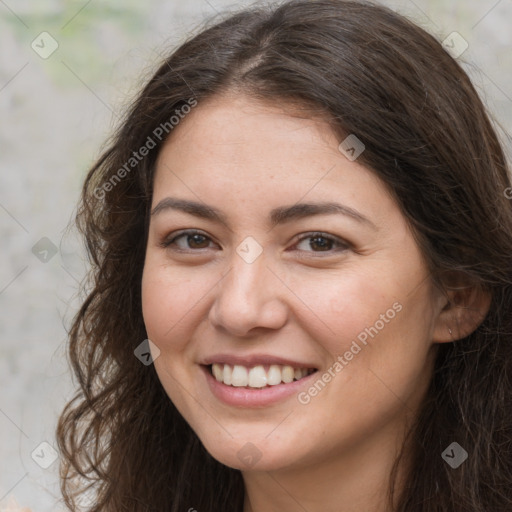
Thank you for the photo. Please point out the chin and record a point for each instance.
(252, 455)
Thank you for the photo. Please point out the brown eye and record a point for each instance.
(196, 241)
(192, 240)
(323, 243)
(320, 242)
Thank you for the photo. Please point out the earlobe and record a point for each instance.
(463, 312)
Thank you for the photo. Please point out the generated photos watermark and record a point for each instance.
(352, 147)
(305, 397)
(454, 455)
(249, 454)
(159, 133)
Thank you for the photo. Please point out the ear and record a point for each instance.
(465, 306)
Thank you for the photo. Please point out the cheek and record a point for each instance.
(344, 306)
(375, 324)
(355, 297)
(168, 299)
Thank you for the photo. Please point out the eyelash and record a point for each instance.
(343, 245)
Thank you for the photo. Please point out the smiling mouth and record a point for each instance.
(259, 376)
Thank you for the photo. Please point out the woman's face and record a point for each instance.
(271, 277)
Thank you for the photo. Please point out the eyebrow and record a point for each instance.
(280, 215)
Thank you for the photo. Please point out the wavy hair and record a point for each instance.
(368, 71)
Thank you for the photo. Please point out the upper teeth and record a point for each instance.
(257, 376)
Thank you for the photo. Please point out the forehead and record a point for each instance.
(234, 127)
(238, 138)
(234, 148)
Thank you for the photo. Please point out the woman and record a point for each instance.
(301, 279)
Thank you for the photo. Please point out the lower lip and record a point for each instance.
(253, 397)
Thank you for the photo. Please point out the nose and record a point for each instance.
(249, 298)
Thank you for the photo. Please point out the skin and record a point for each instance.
(295, 300)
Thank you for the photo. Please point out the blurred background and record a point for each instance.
(68, 69)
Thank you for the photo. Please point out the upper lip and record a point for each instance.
(253, 360)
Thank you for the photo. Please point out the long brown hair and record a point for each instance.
(369, 72)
